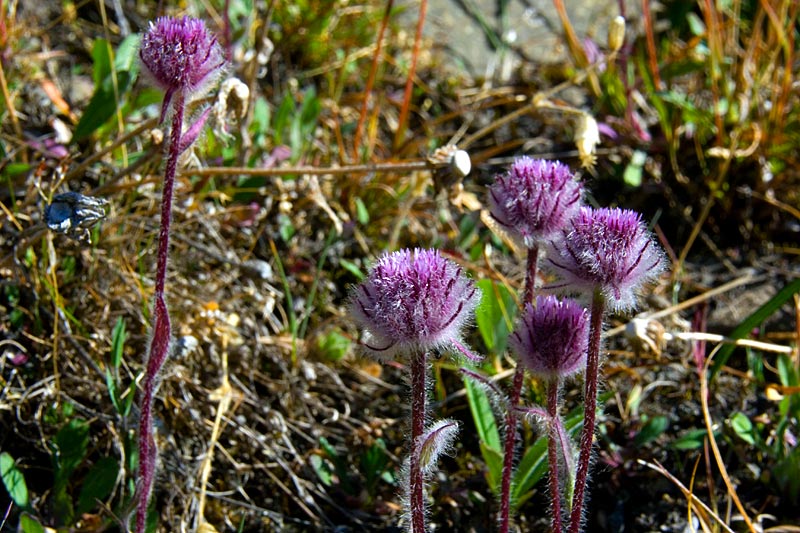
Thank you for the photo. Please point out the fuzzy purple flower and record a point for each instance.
(181, 56)
(414, 301)
(535, 199)
(609, 250)
(551, 339)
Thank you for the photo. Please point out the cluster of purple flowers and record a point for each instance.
(415, 302)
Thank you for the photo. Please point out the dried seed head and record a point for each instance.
(414, 301)
(535, 199)
(181, 55)
(608, 250)
(551, 339)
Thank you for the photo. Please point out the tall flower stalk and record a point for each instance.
(609, 254)
(414, 303)
(183, 58)
(550, 341)
(532, 202)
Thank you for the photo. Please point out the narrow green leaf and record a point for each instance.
(752, 321)
(13, 480)
(691, 440)
(353, 268)
(126, 407)
(494, 465)
(118, 336)
(111, 385)
(651, 430)
(101, 61)
(495, 315)
(786, 371)
(481, 408)
(362, 214)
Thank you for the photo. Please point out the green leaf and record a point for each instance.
(362, 214)
(489, 435)
(98, 485)
(533, 465)
(531, 468)
(323, 470)
(752, 321)
(28, 524)
(127, 59)
(107, 96)
(743, 428)
(786, 371)
(69, 448)
(101, 61)
(111, 385)
(651, 430)
(353, 268)
(494, 466)
(481, 408)
(13, 480)
(118, 337)
(281, 120)
(285, 227)
(633, 172)
(691, 440)
(495, 315)
(333, 345)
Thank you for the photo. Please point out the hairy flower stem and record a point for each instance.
(162, 330)
(552, 452)
(516, 392)
(590, 406)
(419, 393)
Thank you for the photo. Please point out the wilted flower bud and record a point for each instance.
(616, 33)
(587, 137)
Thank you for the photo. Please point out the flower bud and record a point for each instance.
(616, 33)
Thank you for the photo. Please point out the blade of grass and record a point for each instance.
(752, 321)
(289, 301)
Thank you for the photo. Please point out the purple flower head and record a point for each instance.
(535, 199)
(551, 339)
(608, 250)
(181, 55)
(414, 301)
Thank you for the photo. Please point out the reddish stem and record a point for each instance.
(508, 450)
(552, 451)
(418, 414)
(651, 44)
(159, 345)
(362, 117)
(516, 392)
(590, 406)
(403, 118)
